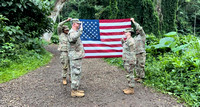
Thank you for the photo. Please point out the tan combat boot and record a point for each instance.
(128, 91)
(138, 80)
(81, 91)
(64, 80)
(77, 93)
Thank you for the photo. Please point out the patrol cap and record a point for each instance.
(75, 20)
(65, 28)
(128, 30)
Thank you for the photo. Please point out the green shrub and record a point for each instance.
(177, 72)
(172, 69)
(55, 39)
(19, 32)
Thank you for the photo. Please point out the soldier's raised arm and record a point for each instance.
(138, 27)
(60, 25)
(74, 35)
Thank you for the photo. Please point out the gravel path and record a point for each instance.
(102, 83)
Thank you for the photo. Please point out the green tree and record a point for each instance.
(188, 16)
(86, 9)
(143, 11)
(26, 22)
(169, 8)
(113, 9)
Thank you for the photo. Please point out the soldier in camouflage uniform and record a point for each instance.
(76, 53)
(63, 33)
(129, 59)
(139, 39)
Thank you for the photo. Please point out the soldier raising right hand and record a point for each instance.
(129, 59)
(76, 53)
(63, 48)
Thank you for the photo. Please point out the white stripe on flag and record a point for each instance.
(112, 37)
(102, 54)
(115, 24)
(102, 48)
(111, 30)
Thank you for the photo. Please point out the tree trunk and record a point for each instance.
(54, 14)
(159, 11)
(195, 20)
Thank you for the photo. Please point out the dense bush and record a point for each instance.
(29, 15)
(178, 70)
(23, 23)
(172, 66)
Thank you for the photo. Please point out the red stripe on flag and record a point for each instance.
(102, 45)
(102, 51)
(114, 27)
(113, 33)
(114, 20)
(111, 56)
(110, 40)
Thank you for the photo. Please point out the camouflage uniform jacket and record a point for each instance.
(63, 41)
(76, 50)
(140, 39)
(128, 50)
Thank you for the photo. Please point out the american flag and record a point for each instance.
(101, 38)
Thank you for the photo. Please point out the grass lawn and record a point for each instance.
(26, 64)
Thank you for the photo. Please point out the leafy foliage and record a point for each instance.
(55, 39)
(174, 70)
(22, 24)
(141, 10)
(177, 72)
(32, 18)
(173, 15)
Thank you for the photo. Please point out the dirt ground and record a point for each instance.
(102, 83)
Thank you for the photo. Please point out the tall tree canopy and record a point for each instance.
(156, 16)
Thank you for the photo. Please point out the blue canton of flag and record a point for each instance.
(90, 30)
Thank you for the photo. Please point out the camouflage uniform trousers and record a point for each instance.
(130, 73)
(75, 67)
(65, 63)
(140, 64)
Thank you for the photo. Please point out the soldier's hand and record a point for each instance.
(81, 26)
(69, 18)
(122, 40)
(132, 19)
